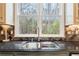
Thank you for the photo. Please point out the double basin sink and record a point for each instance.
(31, 46)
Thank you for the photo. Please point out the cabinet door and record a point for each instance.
(52, 20)
(26, 20)
(76, 13)
(2, 12)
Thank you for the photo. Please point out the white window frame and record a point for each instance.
(39, 32)
(61, 34)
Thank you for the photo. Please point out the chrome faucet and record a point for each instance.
(39, 43)
(32, 40)
(38, 34)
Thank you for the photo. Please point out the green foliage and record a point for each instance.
(51, 28)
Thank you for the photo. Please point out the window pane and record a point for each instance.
(28, 9)
(28, 24)
(50, 18)
(51, 9)
(28, 18)
(50, 25)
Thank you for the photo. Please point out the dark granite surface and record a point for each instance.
(16, 48)
(19, 46)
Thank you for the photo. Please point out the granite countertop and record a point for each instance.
(19, 46)
(16, 48)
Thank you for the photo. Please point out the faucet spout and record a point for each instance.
(32, 40)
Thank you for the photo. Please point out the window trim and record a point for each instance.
(62, 33)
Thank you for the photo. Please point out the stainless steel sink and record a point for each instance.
(52, 45)
(27, 45)
(32, 46)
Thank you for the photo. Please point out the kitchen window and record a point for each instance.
(39, 19)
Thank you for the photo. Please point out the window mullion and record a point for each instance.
(40, 18)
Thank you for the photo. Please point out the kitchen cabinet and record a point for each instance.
(76, 13)
(2, 12)
(39, 20)
(6, 13)
(6, 17)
